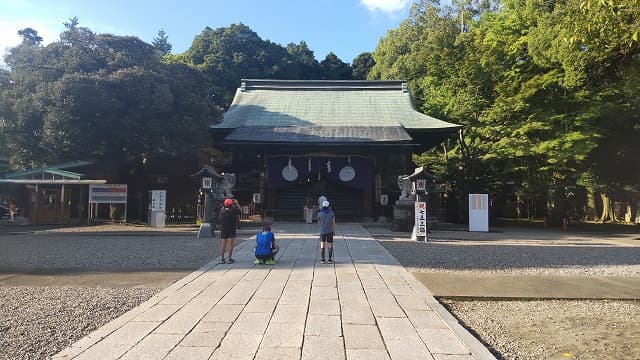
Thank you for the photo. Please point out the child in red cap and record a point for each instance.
(229, 216)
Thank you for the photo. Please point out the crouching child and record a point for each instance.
(266, 247)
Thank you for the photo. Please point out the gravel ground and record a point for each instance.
(554, 329)
(549, 329)
(516, 258)
(55, 317)
(108, 248)
(37, 322)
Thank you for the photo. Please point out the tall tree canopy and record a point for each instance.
(335, 69)
(161, 43)
(361, 66)
(543, 89)
(228, 54)
(102, 96)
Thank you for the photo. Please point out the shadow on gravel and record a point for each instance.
(499, 257)
(96, 252)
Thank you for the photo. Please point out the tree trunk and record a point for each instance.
(607, 210)
(591, 214)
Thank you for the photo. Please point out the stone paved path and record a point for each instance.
(365, 306)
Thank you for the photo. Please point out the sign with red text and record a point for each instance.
(421, 218)
(108, 194)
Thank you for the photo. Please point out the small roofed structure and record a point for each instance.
(348, 140)
(51, 194)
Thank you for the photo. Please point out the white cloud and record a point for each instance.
(388, 6)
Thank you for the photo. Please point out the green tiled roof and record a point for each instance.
(319, 134)
(278, 103)
(52, 170)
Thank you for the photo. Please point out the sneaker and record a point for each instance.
(322, 261)
(271, 262)
(222, 261)
(257, 261)
(231, 261)
(330, 261)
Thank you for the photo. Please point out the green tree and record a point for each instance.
(30, 36)
(100, 96)
(228, 54)
(543, 89)
(361, 66)
(301, 63)
(335, 69)
(161, 43)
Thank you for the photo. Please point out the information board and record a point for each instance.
(108, 194)
(158, 200)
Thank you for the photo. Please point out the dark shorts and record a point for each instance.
(264, 257)
(327, 237)
(269, 256)
(226, 234)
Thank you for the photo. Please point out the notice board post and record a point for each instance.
(111, 194)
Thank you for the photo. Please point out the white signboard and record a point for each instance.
(108, 194)
(158, 200)
(421, 218)
(206, 183)
(479, 212)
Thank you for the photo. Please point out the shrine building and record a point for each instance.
(291, 141)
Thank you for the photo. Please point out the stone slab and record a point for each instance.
(206, 334)
(407, 349)
(190, 353)
(323, 325)
(278, 353)
(241, 347)
(223, 313)
(323, 348)
(261, 305)
(288, 335)
(367, 354)
(358, 336)
(324, 307)
(250, 324)
(442, 341)
(158, 313)
(290, 313)
(153, 347)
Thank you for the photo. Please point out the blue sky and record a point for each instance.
(346, 27)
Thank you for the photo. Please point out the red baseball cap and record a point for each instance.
(228, 202)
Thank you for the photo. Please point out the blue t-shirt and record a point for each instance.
(325, 219)
(264, 243)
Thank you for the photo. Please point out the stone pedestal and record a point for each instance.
(403, 215)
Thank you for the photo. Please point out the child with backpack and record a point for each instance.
(266, 247)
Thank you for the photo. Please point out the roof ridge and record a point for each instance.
(345, 85)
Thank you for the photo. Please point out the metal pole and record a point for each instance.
(35, 208)
(88, 206)
(205, 216)
(62, 204)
